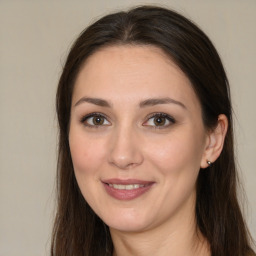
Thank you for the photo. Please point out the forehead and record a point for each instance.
(132, 71)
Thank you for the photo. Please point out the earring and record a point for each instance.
(209, 162)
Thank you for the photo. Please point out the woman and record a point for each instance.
(146, 161)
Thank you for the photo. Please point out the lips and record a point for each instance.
(126, 189)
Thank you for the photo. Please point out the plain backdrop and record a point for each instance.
(35, 37)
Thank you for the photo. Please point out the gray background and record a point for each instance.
(34, 39)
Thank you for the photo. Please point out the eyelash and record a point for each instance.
(84, 120)
(161, 115)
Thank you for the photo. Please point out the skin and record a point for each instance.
(128, 144)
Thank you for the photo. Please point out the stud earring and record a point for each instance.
(209, 162)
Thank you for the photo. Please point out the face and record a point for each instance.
(136, 138)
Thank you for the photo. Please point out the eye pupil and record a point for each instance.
(159, 121)
(97, 120)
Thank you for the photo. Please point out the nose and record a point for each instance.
(125, 151)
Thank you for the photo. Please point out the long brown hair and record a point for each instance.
(78, 230)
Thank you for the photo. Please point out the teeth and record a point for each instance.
(126, 187)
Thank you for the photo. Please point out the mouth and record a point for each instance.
(126, 189)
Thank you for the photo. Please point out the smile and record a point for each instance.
(126, 189)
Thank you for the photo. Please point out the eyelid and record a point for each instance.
(86, 117)
(163, 115)
(153, 115)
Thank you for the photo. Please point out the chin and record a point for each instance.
(128, 226)
(127, 222)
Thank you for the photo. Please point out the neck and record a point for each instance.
(175, 244)
(171, 239)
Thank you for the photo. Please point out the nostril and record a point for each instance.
(122, 164)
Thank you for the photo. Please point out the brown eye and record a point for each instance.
(98, 120)
(159, 121)
(95, 120)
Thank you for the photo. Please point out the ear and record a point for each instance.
(215, 141)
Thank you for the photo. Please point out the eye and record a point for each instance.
(95, 119)
(159, 120)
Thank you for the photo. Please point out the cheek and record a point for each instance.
(87, 153)
(177, 152)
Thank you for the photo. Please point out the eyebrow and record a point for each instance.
(95, 101)
(144, 103)
(157, 101)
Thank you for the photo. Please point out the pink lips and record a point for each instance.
(126, 189)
